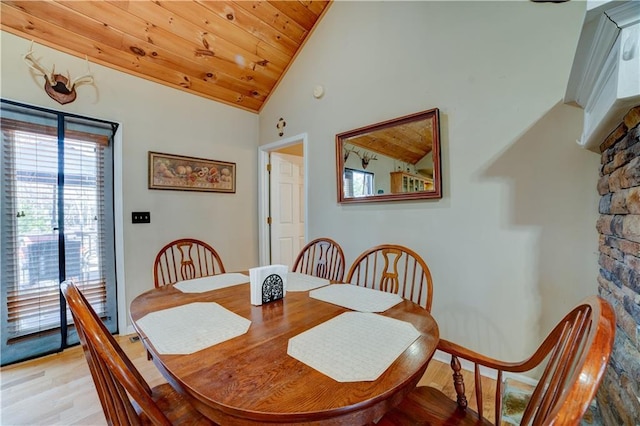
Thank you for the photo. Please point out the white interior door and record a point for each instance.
(287, 208)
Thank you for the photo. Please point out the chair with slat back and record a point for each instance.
(117, 379)
(185, 259)
(576, 351)
(394, 269)
(322, 258)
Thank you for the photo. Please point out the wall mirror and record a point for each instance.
(396, 159)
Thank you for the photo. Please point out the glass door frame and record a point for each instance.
(51, 340)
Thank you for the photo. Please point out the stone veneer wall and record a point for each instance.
(619, 279)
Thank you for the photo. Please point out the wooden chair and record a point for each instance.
(394, 269)
(322, 258)
(185, 259)
(577, 352)
(116, 378)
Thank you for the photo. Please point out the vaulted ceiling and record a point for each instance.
(408, 142)
(234, 52)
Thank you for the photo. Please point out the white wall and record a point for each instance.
(512, 243)
(157, 118)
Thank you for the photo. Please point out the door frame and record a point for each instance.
(264, 240)
(113, 197)
(119, 222)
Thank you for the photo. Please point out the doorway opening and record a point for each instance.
(289, 193)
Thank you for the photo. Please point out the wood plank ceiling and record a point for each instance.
(408, 142)
(233, 52)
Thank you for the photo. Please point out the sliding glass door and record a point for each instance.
(57, 224)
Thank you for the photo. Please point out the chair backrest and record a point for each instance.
(322, 258)
(185, 259)
(394, 269)
(114, 375)
(578, 350)
(576, 353)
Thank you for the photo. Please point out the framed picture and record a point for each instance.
(168, 171)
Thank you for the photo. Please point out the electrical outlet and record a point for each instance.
(140, 217)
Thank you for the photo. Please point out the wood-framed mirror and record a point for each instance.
(394, 160)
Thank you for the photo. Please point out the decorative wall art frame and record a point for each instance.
(407, 162)
(181, 173)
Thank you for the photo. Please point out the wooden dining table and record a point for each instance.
(250, 379)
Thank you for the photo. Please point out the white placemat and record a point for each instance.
(354, 346)
(356, 298)
(189, 328)
(303, 282)
(213, 282)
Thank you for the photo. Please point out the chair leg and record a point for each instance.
(458, 382)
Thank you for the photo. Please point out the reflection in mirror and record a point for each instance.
(357, 183)
(397, 159)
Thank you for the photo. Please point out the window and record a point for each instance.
(357, 183)
(57, 224)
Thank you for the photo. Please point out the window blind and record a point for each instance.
(56, 189)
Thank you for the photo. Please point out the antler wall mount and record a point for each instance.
(365, 157)
(60, 88)
(346, 151)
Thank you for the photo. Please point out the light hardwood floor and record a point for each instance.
(58, 390)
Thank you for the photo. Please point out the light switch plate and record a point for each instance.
(140, 217)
